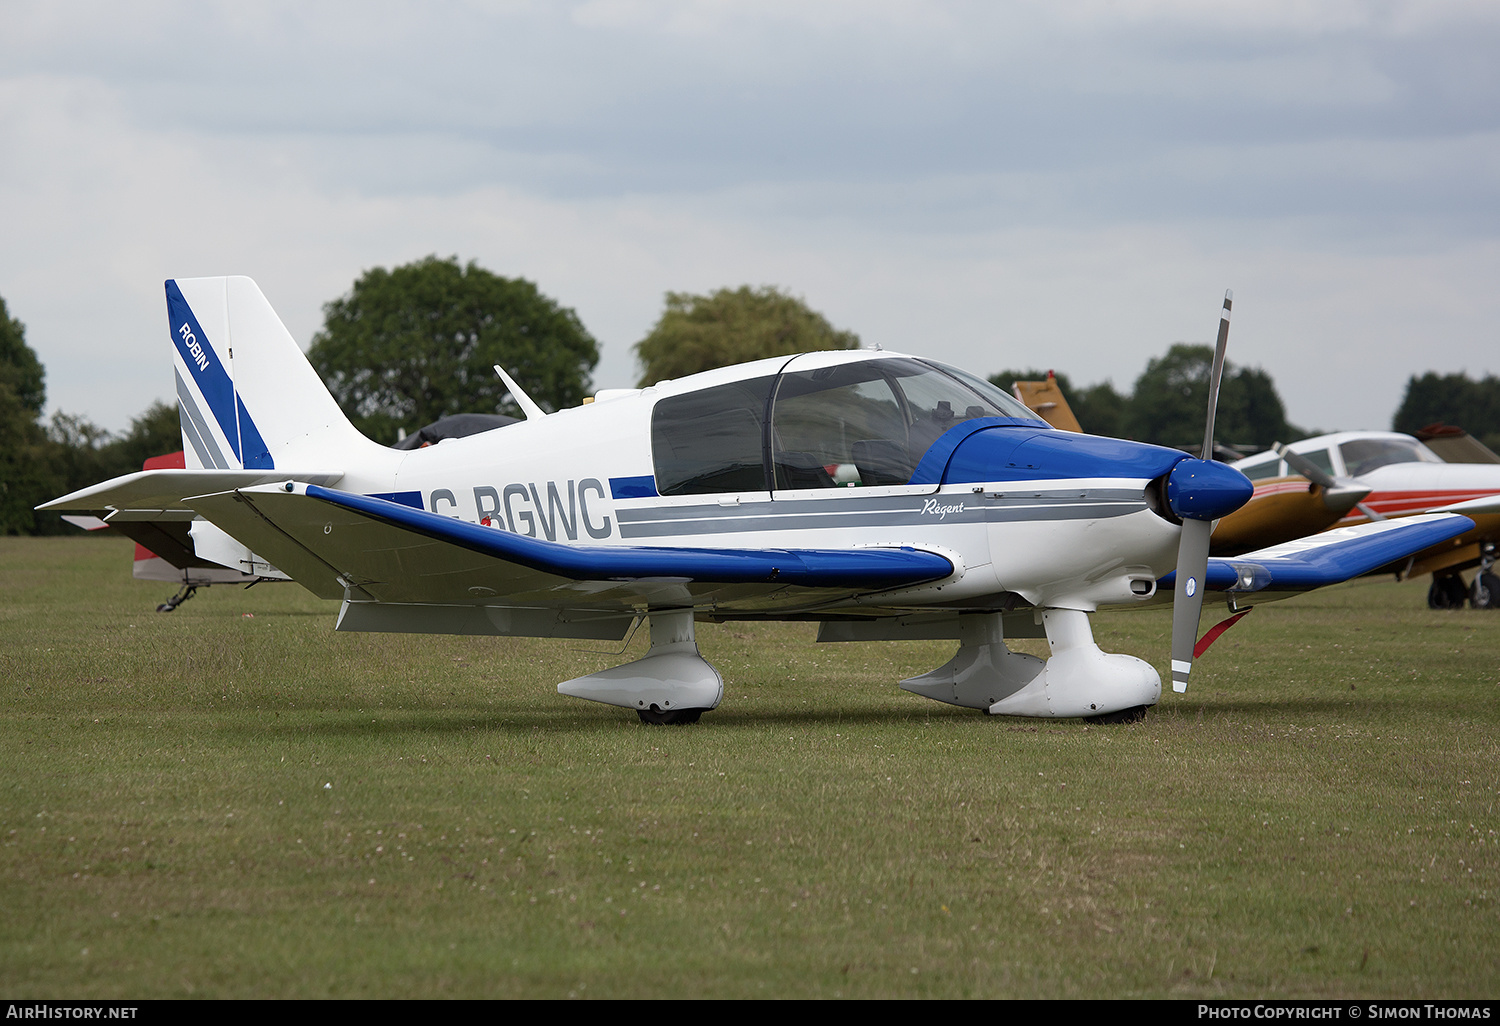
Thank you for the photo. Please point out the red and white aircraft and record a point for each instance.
(1403, 478)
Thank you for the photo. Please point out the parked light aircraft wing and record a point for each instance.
(1330, 557)
(361, 548)
(1483, 504)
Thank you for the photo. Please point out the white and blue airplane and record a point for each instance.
(882, 496)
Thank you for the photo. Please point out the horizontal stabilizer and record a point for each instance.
(157, 492)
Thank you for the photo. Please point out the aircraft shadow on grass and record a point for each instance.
(515, 725)
(334, 723)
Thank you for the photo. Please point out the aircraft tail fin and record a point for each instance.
(1045, 399)
(247, 397)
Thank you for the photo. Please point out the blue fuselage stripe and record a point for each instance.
(643, 487)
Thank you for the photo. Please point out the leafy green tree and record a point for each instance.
(155, 432)
(730, 326)
(38, 463)
(419, 342)
(88, 453)
(80, 456)
(1451, 399)
(27, 476)
(1101, 410)
(26, 467)
(19, 366)
(77, 453)
(1170, 402)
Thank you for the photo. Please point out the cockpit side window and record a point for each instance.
(1321, 459)
(711, 440)
(828, 422)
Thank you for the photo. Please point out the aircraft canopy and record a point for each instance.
(849, 424)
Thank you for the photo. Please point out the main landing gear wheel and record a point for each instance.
(1448, 591)
(656, 718)
(1486, 592)
(1134, 714)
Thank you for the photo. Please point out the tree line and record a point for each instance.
(415, 343)
(1169, 402)
(42, 460)
(1451, 399)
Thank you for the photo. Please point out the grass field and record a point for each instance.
(234, 801)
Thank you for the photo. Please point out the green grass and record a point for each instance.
(1317, 818)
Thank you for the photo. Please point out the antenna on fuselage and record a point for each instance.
(524, 401)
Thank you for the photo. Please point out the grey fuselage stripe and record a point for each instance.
(198, 434)
(729, 520)
(845, 503)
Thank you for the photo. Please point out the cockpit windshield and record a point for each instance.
(869, 423)
(1363, 455)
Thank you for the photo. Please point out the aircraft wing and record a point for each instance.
(1483, 504)
(1330, 557)
(370, 551)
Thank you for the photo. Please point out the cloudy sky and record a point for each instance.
(995, 184)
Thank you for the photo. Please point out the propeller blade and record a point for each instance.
(1207, 452)
(1201, 493)
(1337, 492)
(1187, 600)
(1306, 467)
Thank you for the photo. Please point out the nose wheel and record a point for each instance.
(1485, 592)
(1132, 715)
(657, 718)
(1449, 591)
